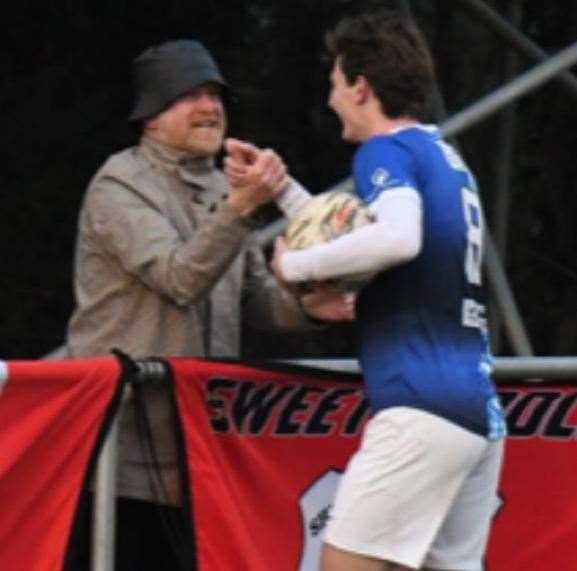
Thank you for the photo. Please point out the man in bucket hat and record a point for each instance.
(164, 73)
(163, 269)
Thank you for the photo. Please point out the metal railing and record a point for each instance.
(552, 368)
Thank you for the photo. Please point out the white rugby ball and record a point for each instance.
(325, 217)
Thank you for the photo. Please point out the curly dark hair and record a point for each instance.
(391, 53)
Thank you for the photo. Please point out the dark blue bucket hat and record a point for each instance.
(165, 72)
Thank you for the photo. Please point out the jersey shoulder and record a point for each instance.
(382, 163)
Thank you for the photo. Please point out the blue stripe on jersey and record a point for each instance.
(422, 324)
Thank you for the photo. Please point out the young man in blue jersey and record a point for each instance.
(420, 492)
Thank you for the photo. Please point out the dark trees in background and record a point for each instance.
(65, 92)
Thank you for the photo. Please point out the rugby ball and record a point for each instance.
(325, 217)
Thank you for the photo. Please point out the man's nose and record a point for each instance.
(209, 102)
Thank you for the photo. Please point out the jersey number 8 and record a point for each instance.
(474, 222)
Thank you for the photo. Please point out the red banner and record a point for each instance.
(51, 413)
(535, 528)
(265, 450)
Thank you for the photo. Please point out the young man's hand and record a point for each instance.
(320, 300)
(329, 305)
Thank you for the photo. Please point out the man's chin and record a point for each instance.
(349, 137)
(346, 137)
(205, 149)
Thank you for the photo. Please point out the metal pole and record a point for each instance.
(504, 368)
(550, 368)
(104, 529)
(505, 148)
(505, 301)
(503, 176)
(501, 97)
(518, 40)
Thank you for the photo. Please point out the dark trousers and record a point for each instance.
(149, 537)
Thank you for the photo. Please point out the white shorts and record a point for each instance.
(419, 491)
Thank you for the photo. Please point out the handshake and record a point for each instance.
(258, 176)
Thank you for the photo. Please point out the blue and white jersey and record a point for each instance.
(422, 325)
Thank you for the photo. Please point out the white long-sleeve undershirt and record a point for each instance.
(394, 238)
(293, 199)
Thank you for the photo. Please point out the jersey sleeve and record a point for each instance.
(382, 164)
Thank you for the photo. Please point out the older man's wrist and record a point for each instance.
(242, 207)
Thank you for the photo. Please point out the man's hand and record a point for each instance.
(329, 305)
(240, 155)
(256, 176)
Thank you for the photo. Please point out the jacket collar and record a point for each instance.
(187, 167)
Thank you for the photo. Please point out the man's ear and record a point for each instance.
(362, 90)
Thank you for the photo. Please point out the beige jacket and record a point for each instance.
(163, 268)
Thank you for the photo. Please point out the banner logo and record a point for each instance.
(316, 504)
(266, 407)
(548, 413)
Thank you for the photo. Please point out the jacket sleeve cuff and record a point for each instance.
(228, 215)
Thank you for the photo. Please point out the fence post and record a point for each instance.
(104, 528)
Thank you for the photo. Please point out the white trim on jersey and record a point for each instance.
(395, 238)
(427, 127)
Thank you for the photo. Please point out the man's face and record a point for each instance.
(196, 122)
(342, 100)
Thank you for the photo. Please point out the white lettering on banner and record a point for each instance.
(315, 505)
(474, 314)
(3, 374)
